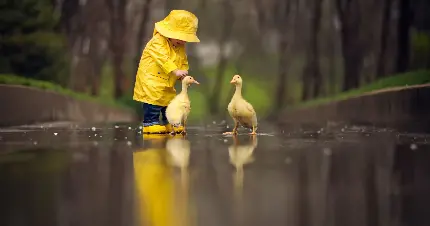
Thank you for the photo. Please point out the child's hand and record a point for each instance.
(180, 73)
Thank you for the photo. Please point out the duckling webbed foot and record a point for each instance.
(253, 131)
(230, 133)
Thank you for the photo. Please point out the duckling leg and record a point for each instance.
(235, 141)
(234, 132)
(173, 131)
(185, 130)
(253, 130)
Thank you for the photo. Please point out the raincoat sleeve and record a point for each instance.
(185, 63)
(159, 51)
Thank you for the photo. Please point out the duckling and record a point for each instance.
(178, 109)
(240, 110)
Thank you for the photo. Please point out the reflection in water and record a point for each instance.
(79, 179)
(154, 185)
(240, 155)
(161, 201)
(179, 150)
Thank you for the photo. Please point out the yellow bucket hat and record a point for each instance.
(179, 24)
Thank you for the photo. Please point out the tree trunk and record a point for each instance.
(118, 24)
(403, 35)
(352, 60)
(141, 35)
(385, 32)
(312, 83)
(282, 12)
(222, 64)
(351, 45)
(171, 5)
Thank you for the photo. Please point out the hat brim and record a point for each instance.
(174, 34)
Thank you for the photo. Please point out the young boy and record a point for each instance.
(163, 62)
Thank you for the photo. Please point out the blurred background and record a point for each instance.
(289, 52)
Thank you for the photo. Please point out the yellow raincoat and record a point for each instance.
(154, 80)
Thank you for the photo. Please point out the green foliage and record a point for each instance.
(9, 79)
(29, 43)
(421, 50)
(406, 79)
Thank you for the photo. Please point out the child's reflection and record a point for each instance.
(154, 184)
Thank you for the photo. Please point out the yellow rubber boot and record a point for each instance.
(179, 129)
(169, 128)
(154, 129)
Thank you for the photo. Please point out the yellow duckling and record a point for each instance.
(240, 110)
(178, 109)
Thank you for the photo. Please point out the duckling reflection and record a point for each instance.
(154, 183)
(179, 152)
(241, 155)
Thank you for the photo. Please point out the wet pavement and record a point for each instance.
(111, 175)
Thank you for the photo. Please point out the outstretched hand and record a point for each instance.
(180, 73)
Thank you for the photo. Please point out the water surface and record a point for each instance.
(113, 176)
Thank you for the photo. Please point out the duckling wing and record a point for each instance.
(177, 111)
(245, 114)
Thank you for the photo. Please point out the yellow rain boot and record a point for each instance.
(169, 128)
(154, 129)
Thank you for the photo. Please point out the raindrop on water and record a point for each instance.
(327, 151)
(93, 128)
(129, 128)
(125, 138)
(116, 127)
(413, 147)
(140, 127)
(35, 142)
(129, 143)
(95, 143)
(225, 140)
(55, 134)
(214, 122)
(228, 126)
(95, 134)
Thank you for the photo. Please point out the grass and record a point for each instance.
(401, 80)
(9, 79)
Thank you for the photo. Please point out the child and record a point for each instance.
(163, 62)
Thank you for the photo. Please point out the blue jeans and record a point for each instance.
(151, 115)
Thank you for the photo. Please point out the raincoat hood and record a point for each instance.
(179, 24)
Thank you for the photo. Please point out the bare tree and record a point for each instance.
(352, 49)
(228, 19)
(118, 28)
(403, 36)
(141, 35)
(282, 10)
(312, 81)
(385, 32)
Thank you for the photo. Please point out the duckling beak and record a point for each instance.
(196, 82)
(232, 81)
